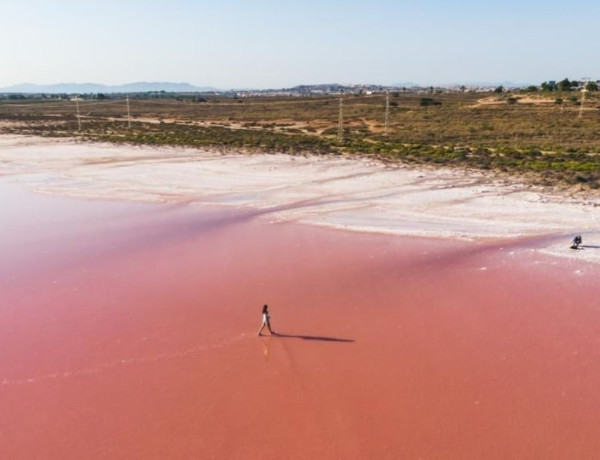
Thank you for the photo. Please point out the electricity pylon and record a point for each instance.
(128, 114)
(387, 112)
(341, 119)
(584, 81)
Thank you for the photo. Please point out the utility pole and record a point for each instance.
(584, 81)
(128, 114)
(78, 114)
(387, 112)
(341, 119)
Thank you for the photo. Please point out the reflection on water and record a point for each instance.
(266, 343)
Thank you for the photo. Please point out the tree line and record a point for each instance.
(566, 85)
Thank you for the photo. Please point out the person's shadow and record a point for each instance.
(311, 337)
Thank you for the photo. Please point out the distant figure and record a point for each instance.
(576, 242)
(266, 320)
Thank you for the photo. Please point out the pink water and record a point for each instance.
(129, 331)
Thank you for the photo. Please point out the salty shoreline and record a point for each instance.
(347, 193)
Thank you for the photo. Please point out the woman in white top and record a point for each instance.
(266, 320)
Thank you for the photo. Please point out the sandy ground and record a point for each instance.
(353, 194)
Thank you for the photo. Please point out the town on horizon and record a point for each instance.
(95, 89)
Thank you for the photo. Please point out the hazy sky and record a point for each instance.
(273, 44)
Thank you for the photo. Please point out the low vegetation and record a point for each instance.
(544, 136)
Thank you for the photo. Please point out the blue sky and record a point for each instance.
(273, 44)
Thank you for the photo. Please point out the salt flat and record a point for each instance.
(352, 193)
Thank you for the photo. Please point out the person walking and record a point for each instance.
(266, 320)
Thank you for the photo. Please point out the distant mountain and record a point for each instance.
(84, 88)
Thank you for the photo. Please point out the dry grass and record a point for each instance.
(524, 134)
